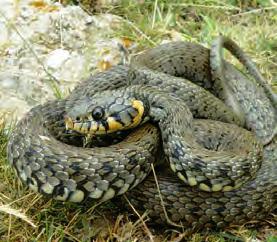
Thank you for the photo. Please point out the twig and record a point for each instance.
(162, 201)
(9, 228)
(8, 210)
(139, 31)
(206, 6)
(94, 206)
(60, 26)
(151, 237)
(254, 11)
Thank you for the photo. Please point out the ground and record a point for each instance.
(27, 216)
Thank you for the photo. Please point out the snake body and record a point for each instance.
(239, 186)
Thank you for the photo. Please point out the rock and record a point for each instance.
(4, 33)
(56, 58)
(40, 38)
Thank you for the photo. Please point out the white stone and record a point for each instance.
(7, 82)
(57, 57)
(4, 33)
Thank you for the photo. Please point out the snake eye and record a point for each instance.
(97, 113)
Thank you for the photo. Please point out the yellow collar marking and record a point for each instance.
(138, 105)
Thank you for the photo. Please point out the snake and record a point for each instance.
(209, 128)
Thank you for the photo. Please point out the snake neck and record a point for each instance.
(210, 107)
(194, 164)
(249, 101)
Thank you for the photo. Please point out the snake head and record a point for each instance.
(103, 114)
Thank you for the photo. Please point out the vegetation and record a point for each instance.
(27, 216)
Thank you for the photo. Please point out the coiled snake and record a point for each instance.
(219, 172)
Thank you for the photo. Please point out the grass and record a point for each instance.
(26, 216)
(198, 22)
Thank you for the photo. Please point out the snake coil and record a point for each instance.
(182, 80)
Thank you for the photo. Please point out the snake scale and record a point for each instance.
(214, 172)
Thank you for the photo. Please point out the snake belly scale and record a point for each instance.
(219, 173)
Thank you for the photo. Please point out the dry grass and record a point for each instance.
(26, 216)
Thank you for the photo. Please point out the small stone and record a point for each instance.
(57, 57)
